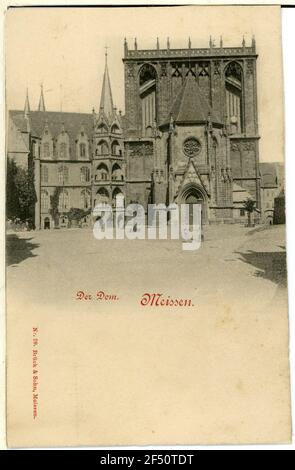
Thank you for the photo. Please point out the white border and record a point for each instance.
(2, 241)
(288, 36)
(107, 3)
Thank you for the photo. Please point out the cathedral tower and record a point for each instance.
(108, 164)
(192, 127)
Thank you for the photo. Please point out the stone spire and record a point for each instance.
(106, 100)
(125, 47)
(41, 106)
(27, 105)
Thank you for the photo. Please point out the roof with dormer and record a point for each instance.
(72, 123)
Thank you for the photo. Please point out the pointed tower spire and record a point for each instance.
(125, 47)
(106, 100)
(27, 112)
(41, 106)
(27, 104)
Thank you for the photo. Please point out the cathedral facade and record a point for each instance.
(189, 135)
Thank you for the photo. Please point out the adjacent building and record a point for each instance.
(272, 186)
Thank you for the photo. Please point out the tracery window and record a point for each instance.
(62, 150)
(147, 90)
(82, 148)
(46, 150)
(64, 200)
(233, 86)
(63, 174)
(44, 200)
(85, 199)
(84, 174)
(44, 174)
(191, 147)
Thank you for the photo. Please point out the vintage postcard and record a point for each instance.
(145, 226)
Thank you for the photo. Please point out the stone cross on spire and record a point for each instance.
(41, 106)
(106, 100)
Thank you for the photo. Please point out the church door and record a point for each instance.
(46, 223)
(195, 197)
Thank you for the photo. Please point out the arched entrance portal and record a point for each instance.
(46, 223)
(193, 195)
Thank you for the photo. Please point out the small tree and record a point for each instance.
(21, 203)
(76, 214)
(249, 206)
(54, 202)
(12, 202)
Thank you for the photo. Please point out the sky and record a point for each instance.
(64, 48)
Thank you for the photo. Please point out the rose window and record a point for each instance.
(191, 147)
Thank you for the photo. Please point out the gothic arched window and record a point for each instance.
(44, 174)
(64, 200)
(115, 148)
(46, 150)
(63, 150)
(116, 193)
(115, 129)
(233, 86)
(82, 148)
(147, 75)
(102, 129)
(102, 196)
(63, 174)
(102, 172)
(102, 148)
(147, 91)
(117, 173)
(84, 174)
(44, 200)
(85, 199)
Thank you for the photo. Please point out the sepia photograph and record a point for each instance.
(146, 274)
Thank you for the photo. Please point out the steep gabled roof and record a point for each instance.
(269, 176)
(38, 119)
(190, 106)
(19, 120)
(192, 175)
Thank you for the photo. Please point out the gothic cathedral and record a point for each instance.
(189, 135)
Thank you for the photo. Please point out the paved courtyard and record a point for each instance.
(234, 262)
